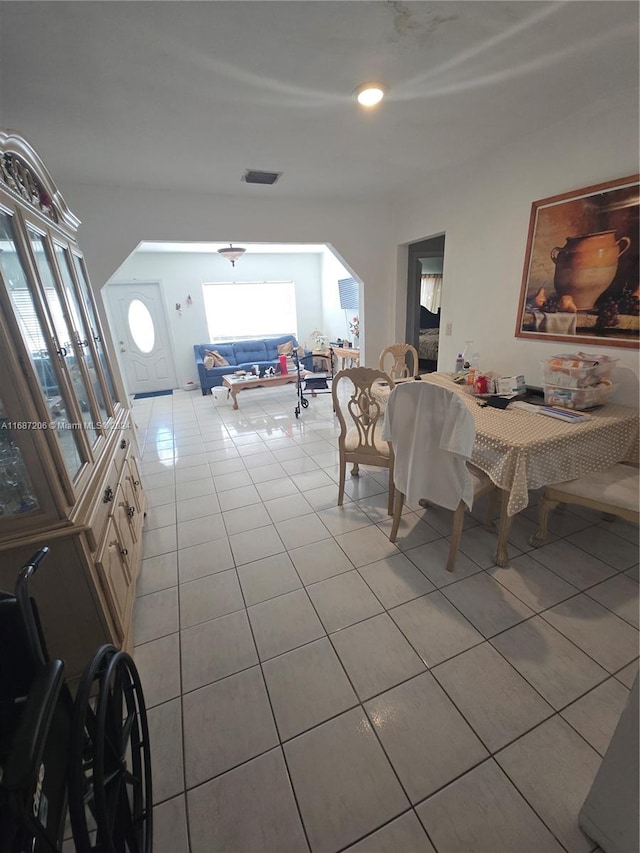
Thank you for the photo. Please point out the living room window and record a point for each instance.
(250, 309)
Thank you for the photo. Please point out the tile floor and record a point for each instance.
(312, 686)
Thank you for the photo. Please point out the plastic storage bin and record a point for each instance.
(578, 398)
(577, 370)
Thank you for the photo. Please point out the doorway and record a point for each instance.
(139, 328)
(424, 286)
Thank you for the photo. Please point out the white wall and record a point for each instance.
(116, 219)
(484, 211)
(335, 322)
(182, 274)
(483, 208)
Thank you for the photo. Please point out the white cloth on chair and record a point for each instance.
(432, 434)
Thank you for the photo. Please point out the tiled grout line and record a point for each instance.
(552, 605)
(260, 663)
(410, 810)
(429, 669)
(275, 720)
(182, 732)
(387, 610)
(438, 589)
(360, 705)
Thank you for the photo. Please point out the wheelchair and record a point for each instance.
(87, 757)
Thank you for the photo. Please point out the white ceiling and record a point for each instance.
(187, 95)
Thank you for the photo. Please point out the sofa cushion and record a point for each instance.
(272, 345)
(213, 358)
(285, 349)
(225, 350)
(250, 351)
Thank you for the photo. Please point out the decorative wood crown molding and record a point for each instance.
(24, 175)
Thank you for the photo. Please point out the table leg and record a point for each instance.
(502, 557)
(234, 395)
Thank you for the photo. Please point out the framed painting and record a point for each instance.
(580, 279)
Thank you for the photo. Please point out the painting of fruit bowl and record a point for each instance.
(581, 277)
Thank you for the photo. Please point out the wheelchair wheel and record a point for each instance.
(110, 762)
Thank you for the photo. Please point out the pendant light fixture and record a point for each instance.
(232, 253)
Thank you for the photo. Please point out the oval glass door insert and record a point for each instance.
(141, 326)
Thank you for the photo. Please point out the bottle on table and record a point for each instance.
(474, 368)
(459, 363)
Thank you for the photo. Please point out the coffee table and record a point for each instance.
(235, 384)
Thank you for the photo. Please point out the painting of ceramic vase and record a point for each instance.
(586, 266)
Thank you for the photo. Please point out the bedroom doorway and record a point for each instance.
(424, 288)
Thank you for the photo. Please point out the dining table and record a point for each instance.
(522, 450)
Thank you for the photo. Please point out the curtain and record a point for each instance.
(431, 292)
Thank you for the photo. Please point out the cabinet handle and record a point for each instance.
(108, 495)
(131, 511)
(123, 444)
(124, 552)
(136, 482)
(62, 352)
(97, 339)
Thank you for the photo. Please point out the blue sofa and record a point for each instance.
(242, 355)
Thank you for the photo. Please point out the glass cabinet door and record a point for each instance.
(70, 349)
(87, 298)
(17, 495)
(62, 257)
(39, 346)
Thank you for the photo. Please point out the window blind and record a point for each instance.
(349, 293)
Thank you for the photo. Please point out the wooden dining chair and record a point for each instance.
(613, 491)
(399, 369)
(360, 416)
(431, 431)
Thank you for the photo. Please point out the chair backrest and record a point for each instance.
(358, 410)
(399, 369)
(432, 432)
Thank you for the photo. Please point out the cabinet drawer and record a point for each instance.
(133, 483)
(128, 516)
(104, 502)
(115, 577)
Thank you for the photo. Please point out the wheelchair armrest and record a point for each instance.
(27, 745)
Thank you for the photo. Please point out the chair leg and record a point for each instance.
(343, 472)
(397, 512)
(540, 535)
(456, 535)
(355, 471)
(392, 491)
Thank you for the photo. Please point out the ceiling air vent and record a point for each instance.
(253, 176)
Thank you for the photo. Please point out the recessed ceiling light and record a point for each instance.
(369, 95)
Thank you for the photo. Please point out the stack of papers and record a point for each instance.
(567, 415)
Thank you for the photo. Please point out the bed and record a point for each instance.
(428, 336)
(428, 344)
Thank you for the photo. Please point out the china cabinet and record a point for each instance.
(69, 476)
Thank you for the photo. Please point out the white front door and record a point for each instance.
(141, 336)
